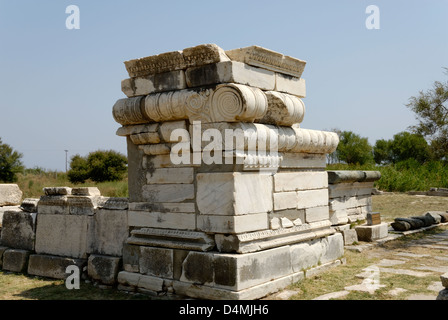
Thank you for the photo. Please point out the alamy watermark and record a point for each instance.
(228, 146)
(373, 20)
(73, 20)
(73, 280)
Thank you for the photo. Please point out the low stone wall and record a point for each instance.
(65, 227)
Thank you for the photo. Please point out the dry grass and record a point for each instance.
(395, 205)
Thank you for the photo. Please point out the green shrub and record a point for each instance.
(98, 166)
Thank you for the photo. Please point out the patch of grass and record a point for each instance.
(396, 205)
(22, 287)
(32, 182)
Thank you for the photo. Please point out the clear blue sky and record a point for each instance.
(58, 86)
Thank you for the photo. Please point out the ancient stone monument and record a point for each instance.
(228, 194)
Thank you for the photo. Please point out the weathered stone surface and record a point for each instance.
(371, 233)
(131, 257)
(285, 200)
(241, 271)
(18, 230)
(233, 193)
(170, 175)
(5, 209)
(167, 81)
(103, 268)
(294, 181)
(52, 266)
(350, 236)
(10, 195)
(350, 189)
(443, 295)
(138, 280)
(113, 203)
(352, 176)
(187, 207)
(292, 85)
(138, 128)
(306, 255)
(444, 279)
(109, 230)
(413, 222)
(176, 239)
(15, 260)
(175, 60)
(268, 59)
(230, 72)
(232, 224)
(283, 109)
(312, 198)
(2, 250)
(333, 248)
(156, 262)
(168, 192)
(29, 205)
(63, 235)
(426, 220)
(81, 205)
(164, 220)
(435, 217)
(317, 214)
(400, 226)
(57, 191)
(302, 161)
(54, 204)
(267, 239)
(86, 191)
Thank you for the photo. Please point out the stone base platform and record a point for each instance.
(214, 275)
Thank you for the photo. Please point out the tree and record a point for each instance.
(382, 152)
(79, 169)
(431, 111)
(404, 146)
(354, 149)
(98, 166)
(10, 163)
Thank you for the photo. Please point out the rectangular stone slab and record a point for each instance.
(230, 71)
(268, 59)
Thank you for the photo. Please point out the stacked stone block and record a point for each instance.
(66, 226)
(213, 215)
(350, 195)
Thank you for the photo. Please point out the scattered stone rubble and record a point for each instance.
(412, 223)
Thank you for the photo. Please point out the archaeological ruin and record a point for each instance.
(229, 197)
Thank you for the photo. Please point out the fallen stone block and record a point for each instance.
(443, 216)
(18, 230)
(29, 205)
(52, 266)
(7, 208)
(350, 236)
(434, 216)
(415, 223)
(372, 233)
(10, 195)
(103, 268)
(426, 219)
(444, 278)
(400, 226)
(15, 260)
(443, 295)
